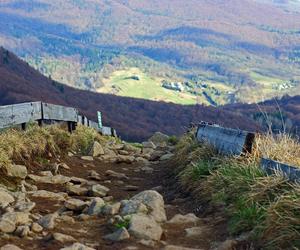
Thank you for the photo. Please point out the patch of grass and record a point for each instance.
(124, 223)
(266, 206)
(173, 140)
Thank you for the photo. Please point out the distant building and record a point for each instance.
(177, 86)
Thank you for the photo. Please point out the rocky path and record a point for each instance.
(119, 198)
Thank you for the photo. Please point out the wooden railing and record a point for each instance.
(45, 113)
(232, 142)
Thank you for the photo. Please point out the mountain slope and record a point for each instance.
(242, 51)
(135, 119)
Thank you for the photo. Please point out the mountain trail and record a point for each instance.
(116, 201)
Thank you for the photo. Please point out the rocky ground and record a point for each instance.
(117, 197)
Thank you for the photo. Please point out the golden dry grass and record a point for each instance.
(268, 206)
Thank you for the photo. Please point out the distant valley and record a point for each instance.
(209, 52)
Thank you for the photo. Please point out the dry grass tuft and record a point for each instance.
(282, 147)
(266, 206)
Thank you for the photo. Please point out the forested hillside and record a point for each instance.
(220, 51)
(135, 119)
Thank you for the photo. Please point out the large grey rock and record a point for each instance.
(63, 238)
(99, 190)
(133, 207)
(153, 201)
(159, 139)
(75, 204)
(77, 246)
(96, 206)
(184, 219)
(48, 221)
(96, 150)
(18, 171)
(120, 235)
(5, 198)
(143, 227)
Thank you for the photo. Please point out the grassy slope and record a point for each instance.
(264, 207)
(146, 87)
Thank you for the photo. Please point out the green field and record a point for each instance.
(121, 83)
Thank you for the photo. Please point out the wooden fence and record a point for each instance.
(45, 113)
(234, 142)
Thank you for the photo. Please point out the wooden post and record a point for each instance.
(23, 126)
(40, 122)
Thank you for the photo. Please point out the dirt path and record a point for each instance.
(91, 229)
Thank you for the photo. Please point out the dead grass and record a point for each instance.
(36, 142)
(266, 206)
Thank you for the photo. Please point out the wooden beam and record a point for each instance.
(273, 167)
(226, 140)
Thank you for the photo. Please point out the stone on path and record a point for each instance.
(36, 228)
(152, 200)
(5, 198)
(76, 190)
(77, 246)
(125, 159)
(96, 206)
(63, 238)
(120, 235)
(96, 150)
(99, 190)
(159, 139)
(143, 227)
(116, 175)
(48, 221)
(75, 204)
(49, 195)
(184, 219)
(111, 209)
(87, 158)
(18, 171)
(10, 247)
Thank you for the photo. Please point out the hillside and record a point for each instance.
(221, 51)
(134, 119)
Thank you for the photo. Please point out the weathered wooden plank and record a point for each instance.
(274, 167)
(59, 113)
(94, 125)
(225, 140)
(106, 131)
(16, 114)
